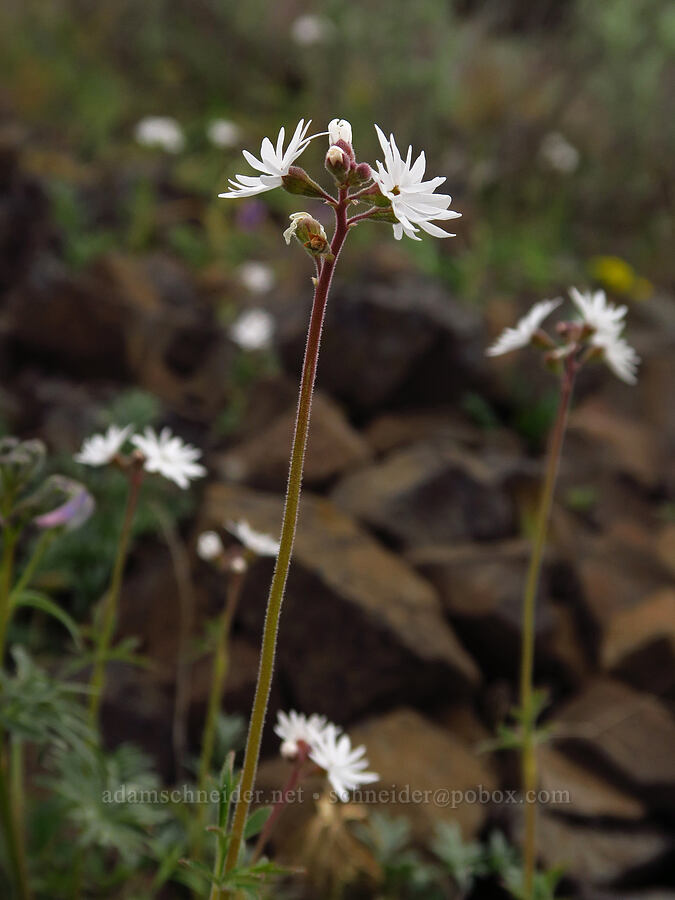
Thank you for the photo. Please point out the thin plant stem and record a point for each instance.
(288, 528)
(527, 706)
(279, 806)
(111, 598)
(9, 542)
(11, 828)
(218, 677)
(43, 542)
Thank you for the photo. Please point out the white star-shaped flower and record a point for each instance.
(598, 313)
(160, 131)
(273, 164)
(520, 336)
(253, 329)
(100, 449)
(293, 727)
(344, 766)
(169, 455)
(413, 201)
(259, 543)
(619, 356)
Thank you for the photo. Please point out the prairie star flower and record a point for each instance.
(274, 163)
(253, 329)
(619, 356)
(169, 456)
(598, 313)
(293, 727)
(259, 543)
(339, 130)
(344, 766)
(100, 449)
(520, 336)
(209, 546)
(413, 201)
(160, 131)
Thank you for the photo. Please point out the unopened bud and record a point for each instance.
(309, 232)
(361, 174)
(339, 130)
(338, 163)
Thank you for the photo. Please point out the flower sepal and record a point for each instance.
(297, 181)
(309, 233)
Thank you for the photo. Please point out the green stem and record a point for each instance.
(218, 676)
(528, 713)
(9, 542)
(288, 527)
(43, 542)
(111, 598)
(12, 830)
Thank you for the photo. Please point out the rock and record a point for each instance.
(665, 547)
(481, 588)
(359, 627)
(590, 796)
(394, 743)
(639, 645)
(627, 735)
(428, 493)
(333, 447)
(600, 856)
(401, 340)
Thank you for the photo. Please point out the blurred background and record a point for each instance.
(123, 280)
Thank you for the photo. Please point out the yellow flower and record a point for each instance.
(619, 277)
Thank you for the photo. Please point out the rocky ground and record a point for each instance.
(402, 618)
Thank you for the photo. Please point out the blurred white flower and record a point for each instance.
(223, 133)
(100, 449)
(169, 456)
(525, 329)
(257, 277)
(160, 131)
(209, 546)
(253, 329)
(599, 313)
(619, 356)
(292, 727)
(308, 29)
(558, 153)
(259, 543)
(339, 130)
(344, 766)
(274, 163)
(413, 201)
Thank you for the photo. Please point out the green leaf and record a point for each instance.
(44, 604)
(256, 821)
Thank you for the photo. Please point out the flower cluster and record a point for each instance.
(325, 745)
(394, 190)
(164, 453)
(597, 330)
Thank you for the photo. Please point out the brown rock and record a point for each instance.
(333, 447)
(481, 587)
(629, 735)
(359, 626)
(639, 644)
(601, 857)
(430, 492)
(420, 765)
(579, 791)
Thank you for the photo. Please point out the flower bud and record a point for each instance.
(337, 163)
(309, 232)
(339, 130)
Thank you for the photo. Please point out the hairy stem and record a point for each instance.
(111, 598)
(288, 528)
(527, 705)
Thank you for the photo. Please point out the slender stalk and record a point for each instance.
(12, 830)
(43, 542)
(9, 542)
(288, 528)
(111, 598)
(279, 806)
(528, 712)
(218, 676)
